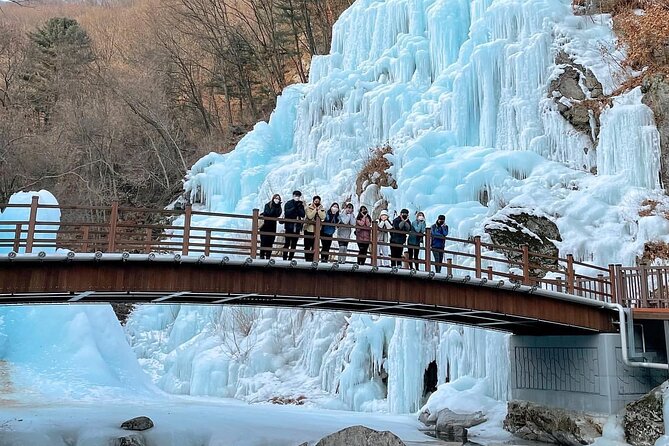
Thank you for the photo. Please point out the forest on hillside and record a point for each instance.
(115, 100)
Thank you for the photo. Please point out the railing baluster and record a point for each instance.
(317, 238)
(490, 273)
(643, 283)
(17, 237)
(375, 244)
(477, 254)
(428, 249)
(113, 222)
(449, 267)
(84, 239)
(600, 287)
(186, 229)
(148, 235)
(207, 242)
(526, 264)
(570, 274)
(30, 239)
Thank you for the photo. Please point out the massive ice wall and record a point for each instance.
(460, 90)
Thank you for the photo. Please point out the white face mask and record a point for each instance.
(277, 201)
(421, 218)
(296, 198)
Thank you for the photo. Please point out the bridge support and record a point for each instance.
(583, 373)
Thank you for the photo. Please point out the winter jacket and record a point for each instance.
(328, 230)
(404, 226)
(310, 220)
(293, 210)
(344, 232)
(438, 234)
(271, 210)
(363, 229)
(416, 234)
(384, 226)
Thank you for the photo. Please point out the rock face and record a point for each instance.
(644, 422)
(656, 97)
(571, 91)
(590, 7)
(515, 230)
(361, 436)
(537, 423)
(137, 424)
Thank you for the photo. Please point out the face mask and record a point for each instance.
(277, 201)
(421, 218)
(296, 198)
(364, 212)
(440, 222)
(335, 209)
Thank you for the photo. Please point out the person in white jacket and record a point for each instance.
(384, 225)
(344, 232)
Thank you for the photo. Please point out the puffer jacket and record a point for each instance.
(346, 219)
(384, 226)
(311, 213)
(328, 230)
(404, 226)
(416, 235)
(363, 229)
(438, 234)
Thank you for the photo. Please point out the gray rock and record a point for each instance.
(644, 421)
(361, 436)
(137, 424)
(656, 97)
(567, 84)
(547, 425)
(131, 440)
(448, 418)
(514, 230)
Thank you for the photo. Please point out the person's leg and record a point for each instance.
(326, 244)
(308, 246)
(270, 246)
(288, 240)
(384, 253)
(438, 259)
(396, 256)
(362, 253)
(343, 249)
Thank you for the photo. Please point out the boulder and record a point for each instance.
(656, 96)
(452, 426)
(548, 425)
(131, 440)
(513, 230)
(137, 424)
(644, 421)
(361, 436)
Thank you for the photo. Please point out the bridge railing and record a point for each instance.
(37, 227)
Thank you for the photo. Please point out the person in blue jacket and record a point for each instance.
(416, 239)
(439, 232)
(327, 230)
(293, 210)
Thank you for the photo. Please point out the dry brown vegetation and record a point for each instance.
(643, 29)
(158, 84)
(375, 170)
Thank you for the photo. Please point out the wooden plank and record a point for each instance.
(661, 314)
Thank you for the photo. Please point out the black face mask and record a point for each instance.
(440, 222)
(364, 212)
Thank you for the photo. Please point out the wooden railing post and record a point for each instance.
(374, 245)
(613, 289)
(84, 239)
(600, 287)
(449, 267)
(30, 239)
(526, 264)
(317, 238)
(428, 249)
(254, 233)
(17, 238)
(149, 235)
(570, 274)
(490, 270)
(207, 243)
(559, 284)
(188, 216)
(643, 279)
(113, 222)
(477, 254)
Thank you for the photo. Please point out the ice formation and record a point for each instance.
(459, 90)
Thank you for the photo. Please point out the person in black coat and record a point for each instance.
(293, 210)
(268, 228)
(401, 228)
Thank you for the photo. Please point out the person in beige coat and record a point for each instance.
(314, 210)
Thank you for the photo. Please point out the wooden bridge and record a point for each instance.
(116, 254)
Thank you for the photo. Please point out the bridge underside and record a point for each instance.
(440, 299)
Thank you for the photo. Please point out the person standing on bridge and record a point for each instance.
(347, 218)
(384, 225)
(439, 231)
(398, 238)
(268, 228)
(363, 233)
(416, 239)
(293, 210)
(328, 229)
(314, 211)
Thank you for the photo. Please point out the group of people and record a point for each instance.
(393, 235)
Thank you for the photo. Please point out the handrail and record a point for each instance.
(114, 228)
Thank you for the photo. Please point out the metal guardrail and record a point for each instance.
(116, 229)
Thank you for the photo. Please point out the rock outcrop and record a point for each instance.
(573, 91)
(537, 232)
(537, 423)
(131, 440)
(644, 421)
(656, 96)
(361, 436)
(449, 425)
(137, 424)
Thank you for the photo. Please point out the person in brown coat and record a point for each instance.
(363, 233)
(314, 210)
